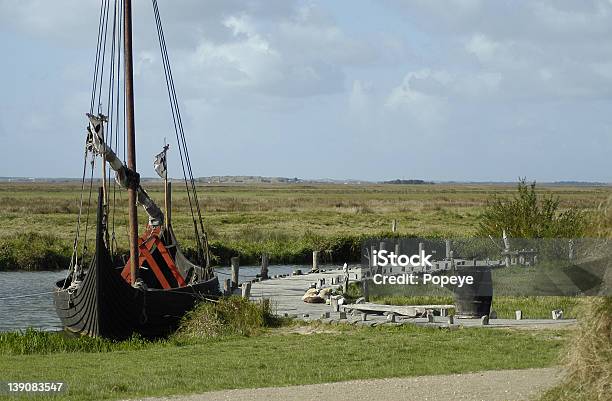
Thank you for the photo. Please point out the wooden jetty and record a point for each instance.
(285, 293)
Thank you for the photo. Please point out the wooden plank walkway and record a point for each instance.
(286, 294)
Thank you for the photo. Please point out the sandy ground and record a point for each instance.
(502, 385)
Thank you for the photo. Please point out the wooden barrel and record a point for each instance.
(474, 301)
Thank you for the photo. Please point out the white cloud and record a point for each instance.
(358, 98)
(419, 98)
(481, 46)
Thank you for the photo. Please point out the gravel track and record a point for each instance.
(494, 385)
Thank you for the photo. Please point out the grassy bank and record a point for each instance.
(505, 307)
(279, 357)
(285, 221)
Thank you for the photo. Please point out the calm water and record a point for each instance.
(26, 299)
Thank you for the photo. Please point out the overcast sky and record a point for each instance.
(440, 90)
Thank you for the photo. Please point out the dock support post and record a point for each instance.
(315, 261)
(264, 266)
(227, 287)
(246, 290)
(333, 302)
(372, 249)
(448, 249)
(366, 290)
(421, 252)
(235, 260)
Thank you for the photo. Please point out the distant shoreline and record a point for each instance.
(249, 180)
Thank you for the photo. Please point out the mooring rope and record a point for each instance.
(32, 295)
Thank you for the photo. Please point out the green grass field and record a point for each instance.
(285, 220)
(281, 357)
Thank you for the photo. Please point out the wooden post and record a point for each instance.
(315, 261)
(372, 249)
(334, 304)
(394, 226)
(168, 202)
(421, 250)
(246, 290)
(430, 316)
(397, 249)
(235, 260)
(366, 290)
(448, 249)
(264, 266)
(227, 286)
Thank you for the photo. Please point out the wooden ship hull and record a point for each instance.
(104, 304)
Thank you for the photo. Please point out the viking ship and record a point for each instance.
(147, 292)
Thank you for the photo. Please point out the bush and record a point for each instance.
(229, 316)
(528, 215)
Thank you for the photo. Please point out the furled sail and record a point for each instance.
(161, 164)
(123, 175)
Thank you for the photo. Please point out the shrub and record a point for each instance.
(528, 215)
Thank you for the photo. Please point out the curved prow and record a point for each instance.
(123, 175)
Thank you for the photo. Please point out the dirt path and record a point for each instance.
(502, 385)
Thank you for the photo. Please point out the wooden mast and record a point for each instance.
(131, 138)
(167, 189)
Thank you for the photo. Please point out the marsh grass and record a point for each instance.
(33, 251)
(230, 317)
(588, 355)
(233, 316)
(32, 341)
(286, 221)
(588, 359)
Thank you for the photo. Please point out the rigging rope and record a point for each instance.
(182, 142)
(114, 125)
